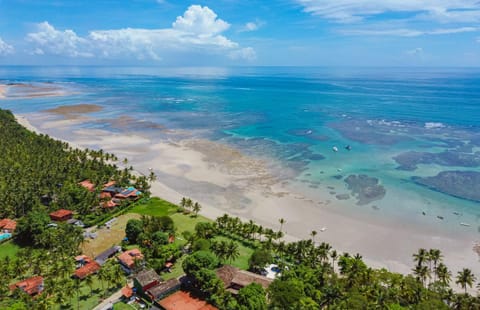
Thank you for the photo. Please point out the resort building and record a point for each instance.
(128, 258)
(234, 279)
(61, 215)
(129, 193)
(32, 286)
(86, 266)
(7, 226)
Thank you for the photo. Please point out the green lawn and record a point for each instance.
(156, 207)
(245, 253)
(123, 306)
(177, 270)
(8, 249)
(86, 299)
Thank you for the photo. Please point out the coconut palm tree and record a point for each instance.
(334, 256)
(420, 257)
(465, 278)
(435, 256)
(281, 221)
(196, 208)
(232, 251)
(313, 234)
(422, 273)
(443, 274)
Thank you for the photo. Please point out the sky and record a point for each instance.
(240, 32)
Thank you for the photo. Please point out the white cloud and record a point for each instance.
(5, 48)
(50, 40)
(415, 51)
(198, 30)
(356, 10)
(247, 53)
(407, 32)
(252, 26)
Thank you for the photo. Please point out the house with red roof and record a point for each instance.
(87, 184)
(61, 215)
(129, 193)
(127, 259)
(32, 286)
(87, 266)
(110, 204)
(8, 226)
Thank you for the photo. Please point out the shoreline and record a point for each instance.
(226, 181)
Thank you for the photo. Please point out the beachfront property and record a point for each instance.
(129, 258)
(235, 279)
(130, 193)
(7, 226)
(85, 267)
(61, 215)
(32, 286)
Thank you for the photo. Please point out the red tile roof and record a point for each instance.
(60, 214)
(128, 258)
(127, 291)
(105, 195)
(111, 183)
(89, 268)
(8, 224)
(183, 300)
(88, 185)
(31, 286)
(110, 204)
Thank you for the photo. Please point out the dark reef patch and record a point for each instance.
(461, 184)
(409, 160)
(365, 188)
(343, 196)
(371, 132)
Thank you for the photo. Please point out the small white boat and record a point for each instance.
(323, 229)
(335, 149)
(465, 224)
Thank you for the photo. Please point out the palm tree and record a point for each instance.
(435, 257)
(313, 234)
(188, 204)
(232, 251)
(281, 221)
(196, 208)
(420, 257)
(422, 273)
(334, 256)
(103, 276)
(464, 278)
(89, 282)
(443, 274)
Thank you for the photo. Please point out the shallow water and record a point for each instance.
(398, 124)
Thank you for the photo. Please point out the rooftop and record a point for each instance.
(232, 276)
(8, 224)
(128, 258)
(161, 289)
(147, 276)
(127, 291)
(31, 286)
(87, 269)
(102, 257)
(183, 300)
(88, 185)
(61, 213)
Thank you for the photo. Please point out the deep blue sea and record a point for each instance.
(403, 141)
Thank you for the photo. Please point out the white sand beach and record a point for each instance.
(3, 90)
(224, 180)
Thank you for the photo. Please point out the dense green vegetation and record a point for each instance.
(38, 170)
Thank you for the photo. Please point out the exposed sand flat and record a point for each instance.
(224, 180)
(37, 90)
(3, 90)
(74, 111)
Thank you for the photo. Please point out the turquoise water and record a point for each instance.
(4, 236)
(398, 124)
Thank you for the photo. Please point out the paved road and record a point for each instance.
(108, 303)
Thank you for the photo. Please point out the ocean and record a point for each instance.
(396, 142)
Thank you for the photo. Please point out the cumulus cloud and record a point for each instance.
(5, 48)
(356, 10)
(197, 30)
(247, 53)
